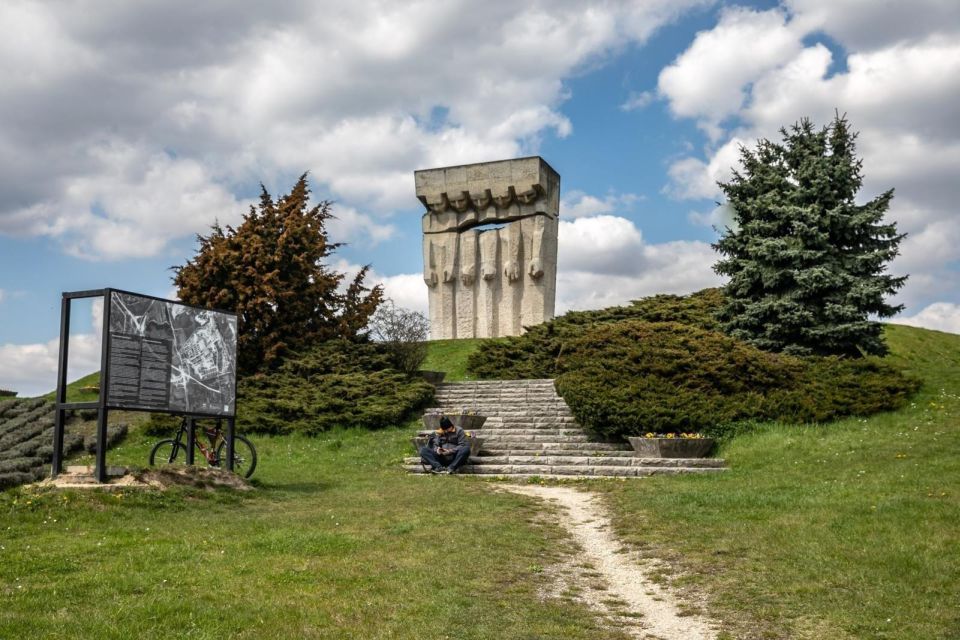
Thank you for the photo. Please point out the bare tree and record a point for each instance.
(403, 332)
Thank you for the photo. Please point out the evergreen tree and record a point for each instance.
(270, 270)
(806, 263)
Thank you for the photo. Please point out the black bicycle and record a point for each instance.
(174, 450)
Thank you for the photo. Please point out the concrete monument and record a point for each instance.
(489, 246)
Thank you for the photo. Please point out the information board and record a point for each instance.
(168, 356)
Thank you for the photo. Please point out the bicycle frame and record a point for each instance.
(188, 429)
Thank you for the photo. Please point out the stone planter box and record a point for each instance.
(423, 436)
(431, 421)
(671, 447)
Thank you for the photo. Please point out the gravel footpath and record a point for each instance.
(657, 609)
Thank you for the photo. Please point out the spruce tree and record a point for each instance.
(270, 270)
(807, 264)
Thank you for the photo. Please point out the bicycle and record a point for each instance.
(174, 450)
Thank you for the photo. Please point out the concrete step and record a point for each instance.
(473, 397)
(570, 470)
(588, 461)
(525, 416)
(477, 406)
(491, 439)
(585, 452)
(545, 430)
(531, 432)
(493, 448)
(495, 383)
(545, 394)
(531, 422)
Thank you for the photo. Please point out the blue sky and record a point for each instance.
(126, 130)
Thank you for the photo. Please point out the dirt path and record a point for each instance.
(653, 611)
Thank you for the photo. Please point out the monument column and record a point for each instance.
(489, 246)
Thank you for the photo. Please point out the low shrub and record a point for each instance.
(660, 365)
(26, 442)
(535, 354)
(20, 464)
(115, 433)
(634, 377)
(16, 478)
(337, 383)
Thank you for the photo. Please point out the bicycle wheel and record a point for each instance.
(168, 452)
(244, 456)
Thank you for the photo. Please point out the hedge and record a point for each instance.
(625, 371)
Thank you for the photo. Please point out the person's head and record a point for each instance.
(446, 424)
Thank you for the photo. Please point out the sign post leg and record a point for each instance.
(102, 444)
(59, 424)
(103, 412)
(191, 438)
(230, 425)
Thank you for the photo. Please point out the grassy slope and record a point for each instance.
(847, 530)
(450, 356)
(75, 392)
(337, 542)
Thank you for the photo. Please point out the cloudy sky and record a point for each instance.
(128, 127)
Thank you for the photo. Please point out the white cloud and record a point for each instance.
(672, 267)
(900, 89)
(31, 369)
(942, 316)
(637, 100)
(350, 225)
(577, 204)
(150, 199)
(601, 245)
(865, 24)
(138, 124)
(603, 261)
(693, 178)
(707, 81)
(407, 290)
(720, 218)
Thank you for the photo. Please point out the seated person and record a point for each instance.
(447, 449)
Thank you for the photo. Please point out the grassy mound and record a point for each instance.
(337, 383)
(840, 531)
(625, 371)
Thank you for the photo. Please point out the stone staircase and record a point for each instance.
(530, 431)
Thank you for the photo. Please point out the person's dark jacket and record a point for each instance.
(448, 440)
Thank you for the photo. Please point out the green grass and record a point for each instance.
(451, 356)
(336, 542)
(845, 530)
(76, 391)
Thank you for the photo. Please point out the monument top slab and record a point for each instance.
(497, 176)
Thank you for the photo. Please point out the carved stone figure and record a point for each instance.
(489, 246)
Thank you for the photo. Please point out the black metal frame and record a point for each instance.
(101, 405)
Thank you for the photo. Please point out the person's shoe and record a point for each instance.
(436, 470)
(445, 472)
